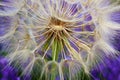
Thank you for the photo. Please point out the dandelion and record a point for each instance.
(56, 39)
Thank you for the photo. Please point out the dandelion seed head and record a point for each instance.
(52, 35)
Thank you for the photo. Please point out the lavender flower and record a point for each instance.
(7, 72)
(58, 37)
(108, 70)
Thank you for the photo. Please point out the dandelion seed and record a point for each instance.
(51, 35)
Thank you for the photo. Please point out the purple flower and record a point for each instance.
(109, 69)
(116, 16)
(7, 72)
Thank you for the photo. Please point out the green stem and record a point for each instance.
(53, 76)
(56, 48)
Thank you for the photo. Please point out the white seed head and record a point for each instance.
(55, 34)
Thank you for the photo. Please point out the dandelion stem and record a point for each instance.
(54, 56)
(55, 50)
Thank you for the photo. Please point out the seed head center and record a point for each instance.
(56, 24)
(57, 27)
